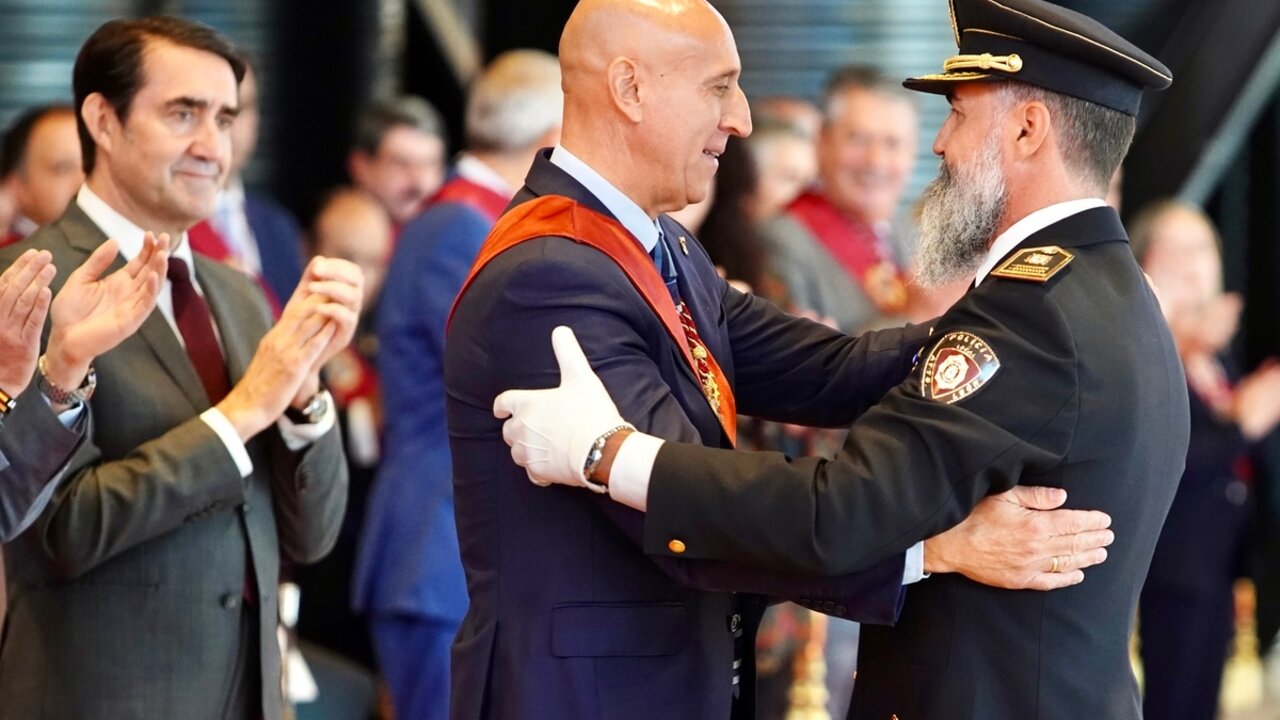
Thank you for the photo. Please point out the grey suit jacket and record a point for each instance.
(35, 450)
(125, 596)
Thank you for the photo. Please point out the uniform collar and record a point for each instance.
(1028, 226)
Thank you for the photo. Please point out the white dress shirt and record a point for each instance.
(232, 222)
(471, 168)
(641, 226)
(130, 237)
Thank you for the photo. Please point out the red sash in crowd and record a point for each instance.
(475, 196)
(557, 216)
(856, 247)
(209, 242)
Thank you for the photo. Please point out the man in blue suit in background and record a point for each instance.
(569, 618)
(408, 576)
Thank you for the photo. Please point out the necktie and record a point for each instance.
(667, 269)
(191, 315)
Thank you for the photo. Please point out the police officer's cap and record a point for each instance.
(1042, 44)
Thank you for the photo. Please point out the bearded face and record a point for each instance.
(960, 212)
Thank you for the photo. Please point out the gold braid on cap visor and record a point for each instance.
(985, 61)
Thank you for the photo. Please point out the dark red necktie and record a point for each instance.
(192, 317)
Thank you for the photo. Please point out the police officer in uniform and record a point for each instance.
(1055, 369)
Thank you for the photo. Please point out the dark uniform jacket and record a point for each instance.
(1089, 396)
(569, 619)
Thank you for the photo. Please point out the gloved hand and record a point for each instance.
(551, 431)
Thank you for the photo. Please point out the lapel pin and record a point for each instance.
(684, 248)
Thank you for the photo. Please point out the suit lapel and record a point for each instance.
(84, 235)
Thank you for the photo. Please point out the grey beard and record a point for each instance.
(959, 214)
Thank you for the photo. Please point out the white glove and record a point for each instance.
(551, 431)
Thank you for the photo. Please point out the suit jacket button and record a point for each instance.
(841, 610)
(676, 546)
(231, 601)
(735, 623)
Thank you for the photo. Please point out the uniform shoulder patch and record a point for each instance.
(957, 367)
(1034, 264)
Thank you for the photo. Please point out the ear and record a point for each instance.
(1033, 126)
(624, 88)
(101, 120)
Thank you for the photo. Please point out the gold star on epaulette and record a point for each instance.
(1034, 264)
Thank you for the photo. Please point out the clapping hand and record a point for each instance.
(24, 304)
(92, 314)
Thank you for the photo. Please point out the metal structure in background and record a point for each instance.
(454, 32)
(38, 45)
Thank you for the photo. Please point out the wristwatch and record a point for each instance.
(62, 396)
(311, 413)
(596, 454)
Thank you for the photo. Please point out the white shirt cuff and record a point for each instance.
(913, 569)
(298, 436)
(221, 426)
(629, 476)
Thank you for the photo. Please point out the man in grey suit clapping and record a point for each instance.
(146, 588)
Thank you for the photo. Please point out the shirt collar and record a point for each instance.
(640, 225)
(1028, 226)
(127, 235)
(473, 169)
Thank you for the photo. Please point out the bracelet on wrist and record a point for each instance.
(62, 396)
(7, 404)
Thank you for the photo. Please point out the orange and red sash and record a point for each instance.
(557, 216)
(856, 247)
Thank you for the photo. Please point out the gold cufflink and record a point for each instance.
(675, 546)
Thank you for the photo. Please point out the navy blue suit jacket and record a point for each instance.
(408, 560)
(569, 618)
(279, 242)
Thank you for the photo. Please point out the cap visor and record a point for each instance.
(942, 83)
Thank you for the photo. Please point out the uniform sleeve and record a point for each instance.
(912, 467)
(795, 370)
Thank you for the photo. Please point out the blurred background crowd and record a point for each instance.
(392, 133)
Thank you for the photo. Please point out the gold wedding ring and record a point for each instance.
(1054, 569)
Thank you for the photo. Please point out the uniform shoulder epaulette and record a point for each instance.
(1034, 264)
